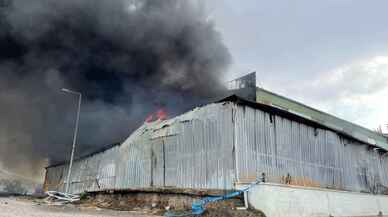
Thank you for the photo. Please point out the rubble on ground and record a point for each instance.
(159, 204)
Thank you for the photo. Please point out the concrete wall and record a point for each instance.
(280, 200)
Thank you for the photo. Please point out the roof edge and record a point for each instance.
(316, 110)
(298, 118)
(99, 151)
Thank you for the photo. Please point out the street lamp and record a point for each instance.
(75, 135)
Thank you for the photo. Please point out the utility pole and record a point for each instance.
(74, 136)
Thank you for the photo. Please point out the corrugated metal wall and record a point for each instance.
(217, 145)
(288, 152)
(94, 173)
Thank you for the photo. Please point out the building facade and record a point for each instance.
(229, 142)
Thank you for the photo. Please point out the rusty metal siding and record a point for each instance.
(54, 178)
(217, 145)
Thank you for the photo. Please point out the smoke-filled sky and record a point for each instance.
(129, 58)
(330, 54)
(132, 57)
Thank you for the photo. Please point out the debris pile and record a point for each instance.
(59, 198)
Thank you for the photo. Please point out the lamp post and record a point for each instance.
(74, 137)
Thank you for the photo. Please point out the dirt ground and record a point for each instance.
(176, 203)
(30, 207)
(23, 207)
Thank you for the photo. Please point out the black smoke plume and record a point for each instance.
(127, 57)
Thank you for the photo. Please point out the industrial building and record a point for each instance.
(235, 140)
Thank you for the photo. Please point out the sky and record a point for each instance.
(329, 54)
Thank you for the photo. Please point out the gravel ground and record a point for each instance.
(17, 207)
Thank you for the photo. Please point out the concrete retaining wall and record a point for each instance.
(280, 201)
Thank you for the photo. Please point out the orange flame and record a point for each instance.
(161, 114)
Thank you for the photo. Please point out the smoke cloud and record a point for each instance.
(127, 57)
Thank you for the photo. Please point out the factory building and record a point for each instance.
(235, 140)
